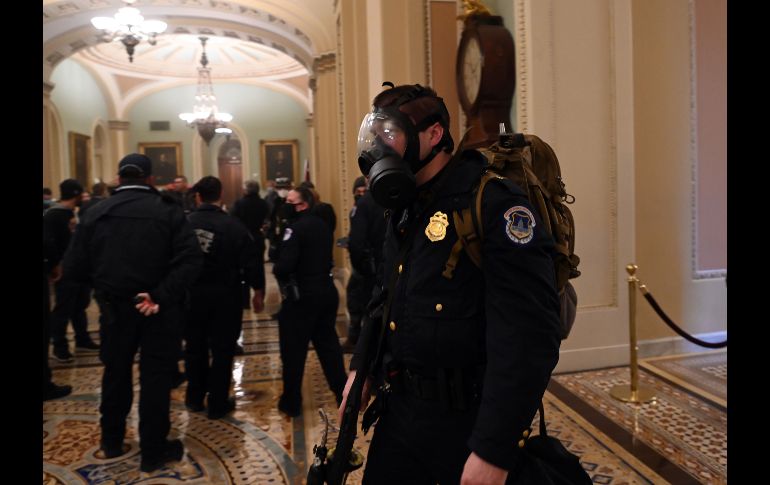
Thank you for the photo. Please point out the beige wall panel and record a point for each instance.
(663, 87)
(710, 79)
(574, 86)
(443, 56)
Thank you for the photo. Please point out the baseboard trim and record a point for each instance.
(615, 355)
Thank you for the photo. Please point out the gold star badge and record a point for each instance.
(436, 230)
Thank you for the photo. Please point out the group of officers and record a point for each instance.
(164, 270)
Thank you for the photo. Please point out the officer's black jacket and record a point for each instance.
(503, 317)
(56, 223)
(228, 249)
(252, 211)
(367, 233)
(306, 253)
(136, 241)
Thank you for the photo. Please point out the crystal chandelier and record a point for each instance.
(206, 117)
(129, 27)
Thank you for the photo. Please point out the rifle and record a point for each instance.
(332, 466)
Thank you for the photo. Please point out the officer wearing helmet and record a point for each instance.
(466, 358)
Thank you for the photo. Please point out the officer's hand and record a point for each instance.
(55, 274)
(146, 307)
(258, 301)
(366, 394)
(480, 472)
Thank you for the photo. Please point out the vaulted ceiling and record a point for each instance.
(269, 43)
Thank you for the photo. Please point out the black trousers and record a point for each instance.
(417, 441)
(311, 319)
(72, 299)
(123, 331)
(46, 333)
(212, 325)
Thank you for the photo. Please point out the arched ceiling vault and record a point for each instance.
(260, 42)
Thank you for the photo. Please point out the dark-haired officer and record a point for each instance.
(140, 254)
(468, 351)
(215, 316)
(309, 308)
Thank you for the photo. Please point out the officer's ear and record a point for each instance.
(434, 133)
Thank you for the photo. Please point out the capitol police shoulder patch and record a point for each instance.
(520, 224)
(287, 234)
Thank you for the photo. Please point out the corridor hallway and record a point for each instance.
(680, 439)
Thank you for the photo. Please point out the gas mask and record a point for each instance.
(391, 180)
(389, 150)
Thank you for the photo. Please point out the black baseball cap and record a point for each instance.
(135, 165)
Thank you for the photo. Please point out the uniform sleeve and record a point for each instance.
(522, 311)
(253, 268)
(360, 254)
(288, 256)
(186, 261)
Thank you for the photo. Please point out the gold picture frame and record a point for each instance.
(80, 158)
(166, 160)
(280, 158)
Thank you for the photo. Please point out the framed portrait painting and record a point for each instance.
(280, 158)
(80, 158)
(166, 160)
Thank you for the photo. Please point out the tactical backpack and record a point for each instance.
(531, 164)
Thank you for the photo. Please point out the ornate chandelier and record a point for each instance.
(206, 117)
(129, 27)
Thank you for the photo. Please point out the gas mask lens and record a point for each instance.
(381, 145)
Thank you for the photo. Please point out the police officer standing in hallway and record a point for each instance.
(309, 309)
(215, 316)
(140, 254)
(367, 233)
(467, 357)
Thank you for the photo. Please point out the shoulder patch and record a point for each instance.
(287, 234)
(353, 212)
(520, 224)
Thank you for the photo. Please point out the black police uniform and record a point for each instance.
(71, 298)
(215, 316)
(252, 211)
(136, 241)
(280, 217)
(306, 257)
(469, 358)
(367, 233)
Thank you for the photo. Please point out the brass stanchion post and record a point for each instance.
(633, 393)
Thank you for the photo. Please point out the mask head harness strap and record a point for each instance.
(441, 116)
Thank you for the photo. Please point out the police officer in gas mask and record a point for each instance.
(467, 353)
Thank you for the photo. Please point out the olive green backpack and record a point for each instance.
(531, 164)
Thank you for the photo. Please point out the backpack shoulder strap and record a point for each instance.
(470, 230)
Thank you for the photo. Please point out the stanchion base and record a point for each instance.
(641, 395)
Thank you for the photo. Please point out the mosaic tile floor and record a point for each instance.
(682, 437)
(704, 374)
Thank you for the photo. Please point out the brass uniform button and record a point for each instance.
(439, 307)
(521, 443)
(400, 268)
(393, 326)
(525, 433)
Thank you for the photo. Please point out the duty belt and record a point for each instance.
(455, 388)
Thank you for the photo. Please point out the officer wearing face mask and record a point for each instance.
(367, 233)
(466, 358)
(309, 307)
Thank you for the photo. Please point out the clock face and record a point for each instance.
(473, 61)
